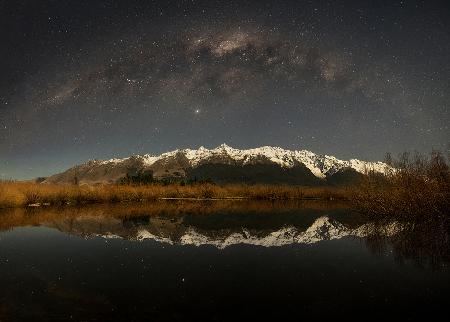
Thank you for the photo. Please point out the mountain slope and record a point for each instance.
(223, 164)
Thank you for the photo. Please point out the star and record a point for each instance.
(268, 72)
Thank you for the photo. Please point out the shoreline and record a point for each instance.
(144, 201)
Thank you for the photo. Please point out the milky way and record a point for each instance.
(96, 79)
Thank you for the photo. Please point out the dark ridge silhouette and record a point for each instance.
(345, 177)
(254, 174)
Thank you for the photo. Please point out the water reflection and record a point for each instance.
(217, 261)
(225, 223)
(426, 243)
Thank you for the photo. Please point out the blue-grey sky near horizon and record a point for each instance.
(98, 79)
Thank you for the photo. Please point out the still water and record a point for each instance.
(219, 261)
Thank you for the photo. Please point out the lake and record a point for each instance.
(219, 261)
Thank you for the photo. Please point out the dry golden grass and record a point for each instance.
(16, 194)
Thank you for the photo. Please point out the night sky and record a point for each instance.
(89, 79)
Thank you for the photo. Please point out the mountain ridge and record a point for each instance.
(191, 163)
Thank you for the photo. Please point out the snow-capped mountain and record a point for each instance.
(274, 163)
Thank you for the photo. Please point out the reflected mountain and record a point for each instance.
(227, 223)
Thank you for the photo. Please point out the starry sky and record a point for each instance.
(95, 79)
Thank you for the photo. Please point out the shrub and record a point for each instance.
(415, 185)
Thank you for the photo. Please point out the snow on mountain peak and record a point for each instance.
(319, 165)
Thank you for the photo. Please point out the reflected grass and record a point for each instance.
(30, 216)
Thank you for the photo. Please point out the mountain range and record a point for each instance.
(223, 164)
